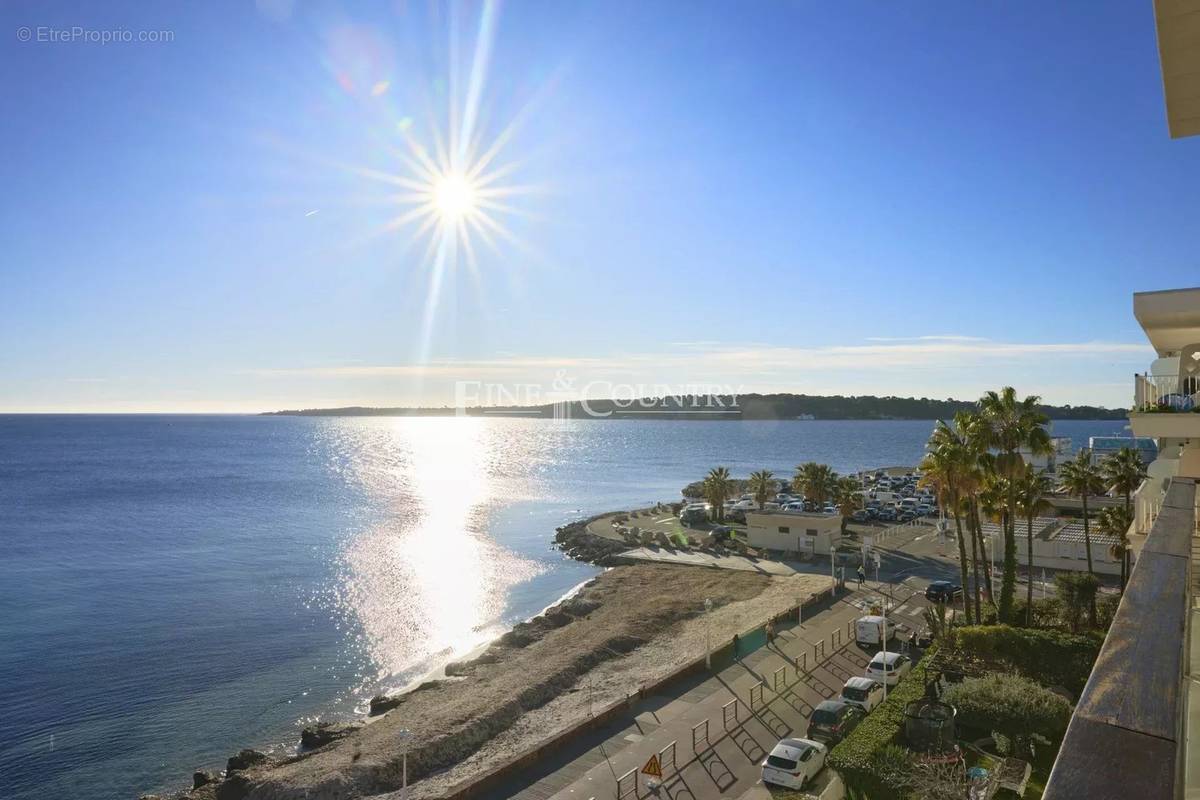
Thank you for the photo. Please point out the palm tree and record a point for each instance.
(1081, 478)
(944, 468)
(717, 486)
(1115, 522)
(990, 505)
(847, 495)
(1124, 472)
(762, 484)
(1032, 488)
(1012, 425)
(815, 482)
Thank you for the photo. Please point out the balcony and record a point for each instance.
(1164, 406)
(1132, 731)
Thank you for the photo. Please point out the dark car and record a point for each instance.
(943, 592)
(833, 720)
(861, 515)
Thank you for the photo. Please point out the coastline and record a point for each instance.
(625, 628)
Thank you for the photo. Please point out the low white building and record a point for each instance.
(1058, 543)
(800, 532)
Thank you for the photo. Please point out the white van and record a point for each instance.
(868, 629)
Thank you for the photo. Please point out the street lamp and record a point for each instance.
(404, 735)
(708, 607)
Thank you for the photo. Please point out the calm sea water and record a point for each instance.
(173, 588)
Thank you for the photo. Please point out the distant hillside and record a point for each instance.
(701, 407)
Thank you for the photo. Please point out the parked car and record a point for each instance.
(887, 514)
(869, 629)
(887, 667)
(693, 515)
(943, 592)
(924, 510)
(793, 762)
(861, 515)
(862, 692)
(832, 721)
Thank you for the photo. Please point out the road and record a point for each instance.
(713, 731)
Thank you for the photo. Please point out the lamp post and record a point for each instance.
(708, 606)
(404, 735)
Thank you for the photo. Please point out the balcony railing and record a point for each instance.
(1165, 393)
(1127, 736)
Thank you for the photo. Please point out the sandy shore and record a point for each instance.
(629, 626)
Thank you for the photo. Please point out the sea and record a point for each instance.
(175, 588)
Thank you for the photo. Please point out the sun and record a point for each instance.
(454, 196)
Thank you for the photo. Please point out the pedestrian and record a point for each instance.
(862, 575)
(770, 632)
(736, 655)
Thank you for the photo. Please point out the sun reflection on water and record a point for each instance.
(427, 582)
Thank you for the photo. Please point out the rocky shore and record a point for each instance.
(630, 624)
(575, 540)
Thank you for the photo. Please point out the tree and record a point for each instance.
(990, 505)
(1077, 591)
(815, 482)
(847, 496)
(945, 468)
(1081, 478)
(762, 485)
(717, 487)
(973, 429)
(1012, 425)
(1123, 473)
(1032, 488)
(1115, 522)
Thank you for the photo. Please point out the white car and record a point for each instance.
(888, 667)
(863, 692)
(873, 629)
(793, 763)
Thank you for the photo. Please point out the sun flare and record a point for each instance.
(454, 196)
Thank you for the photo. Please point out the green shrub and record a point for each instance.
(1052, 658)
(868, 766)
(1014, 706)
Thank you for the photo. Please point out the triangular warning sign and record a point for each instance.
(652, 767)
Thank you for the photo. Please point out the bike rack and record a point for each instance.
(728, 710)
(662, 757)
(627, 784)
(801, 664)
(780, 679)
(756, 695)
(698, 735)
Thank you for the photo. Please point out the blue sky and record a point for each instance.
(921, 198)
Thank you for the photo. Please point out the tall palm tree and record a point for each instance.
(847, 495)
(1012, 425)
(971, 432)
(717, 487)
(944, 468)
(815, 482)
(990, 505)
(762, 484)
(1124, 472)
(1115, 522)
(1081, 478)
(1032, 488)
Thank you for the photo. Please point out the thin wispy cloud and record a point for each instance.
(949, 337)
(748, 361)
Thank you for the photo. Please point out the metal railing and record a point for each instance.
(1151, 392)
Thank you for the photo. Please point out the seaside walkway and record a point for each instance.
(712, 736)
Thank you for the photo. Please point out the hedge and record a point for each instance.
(862, 758)
(1011, 705)
(1051, 658)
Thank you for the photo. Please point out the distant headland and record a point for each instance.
(716, 407)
